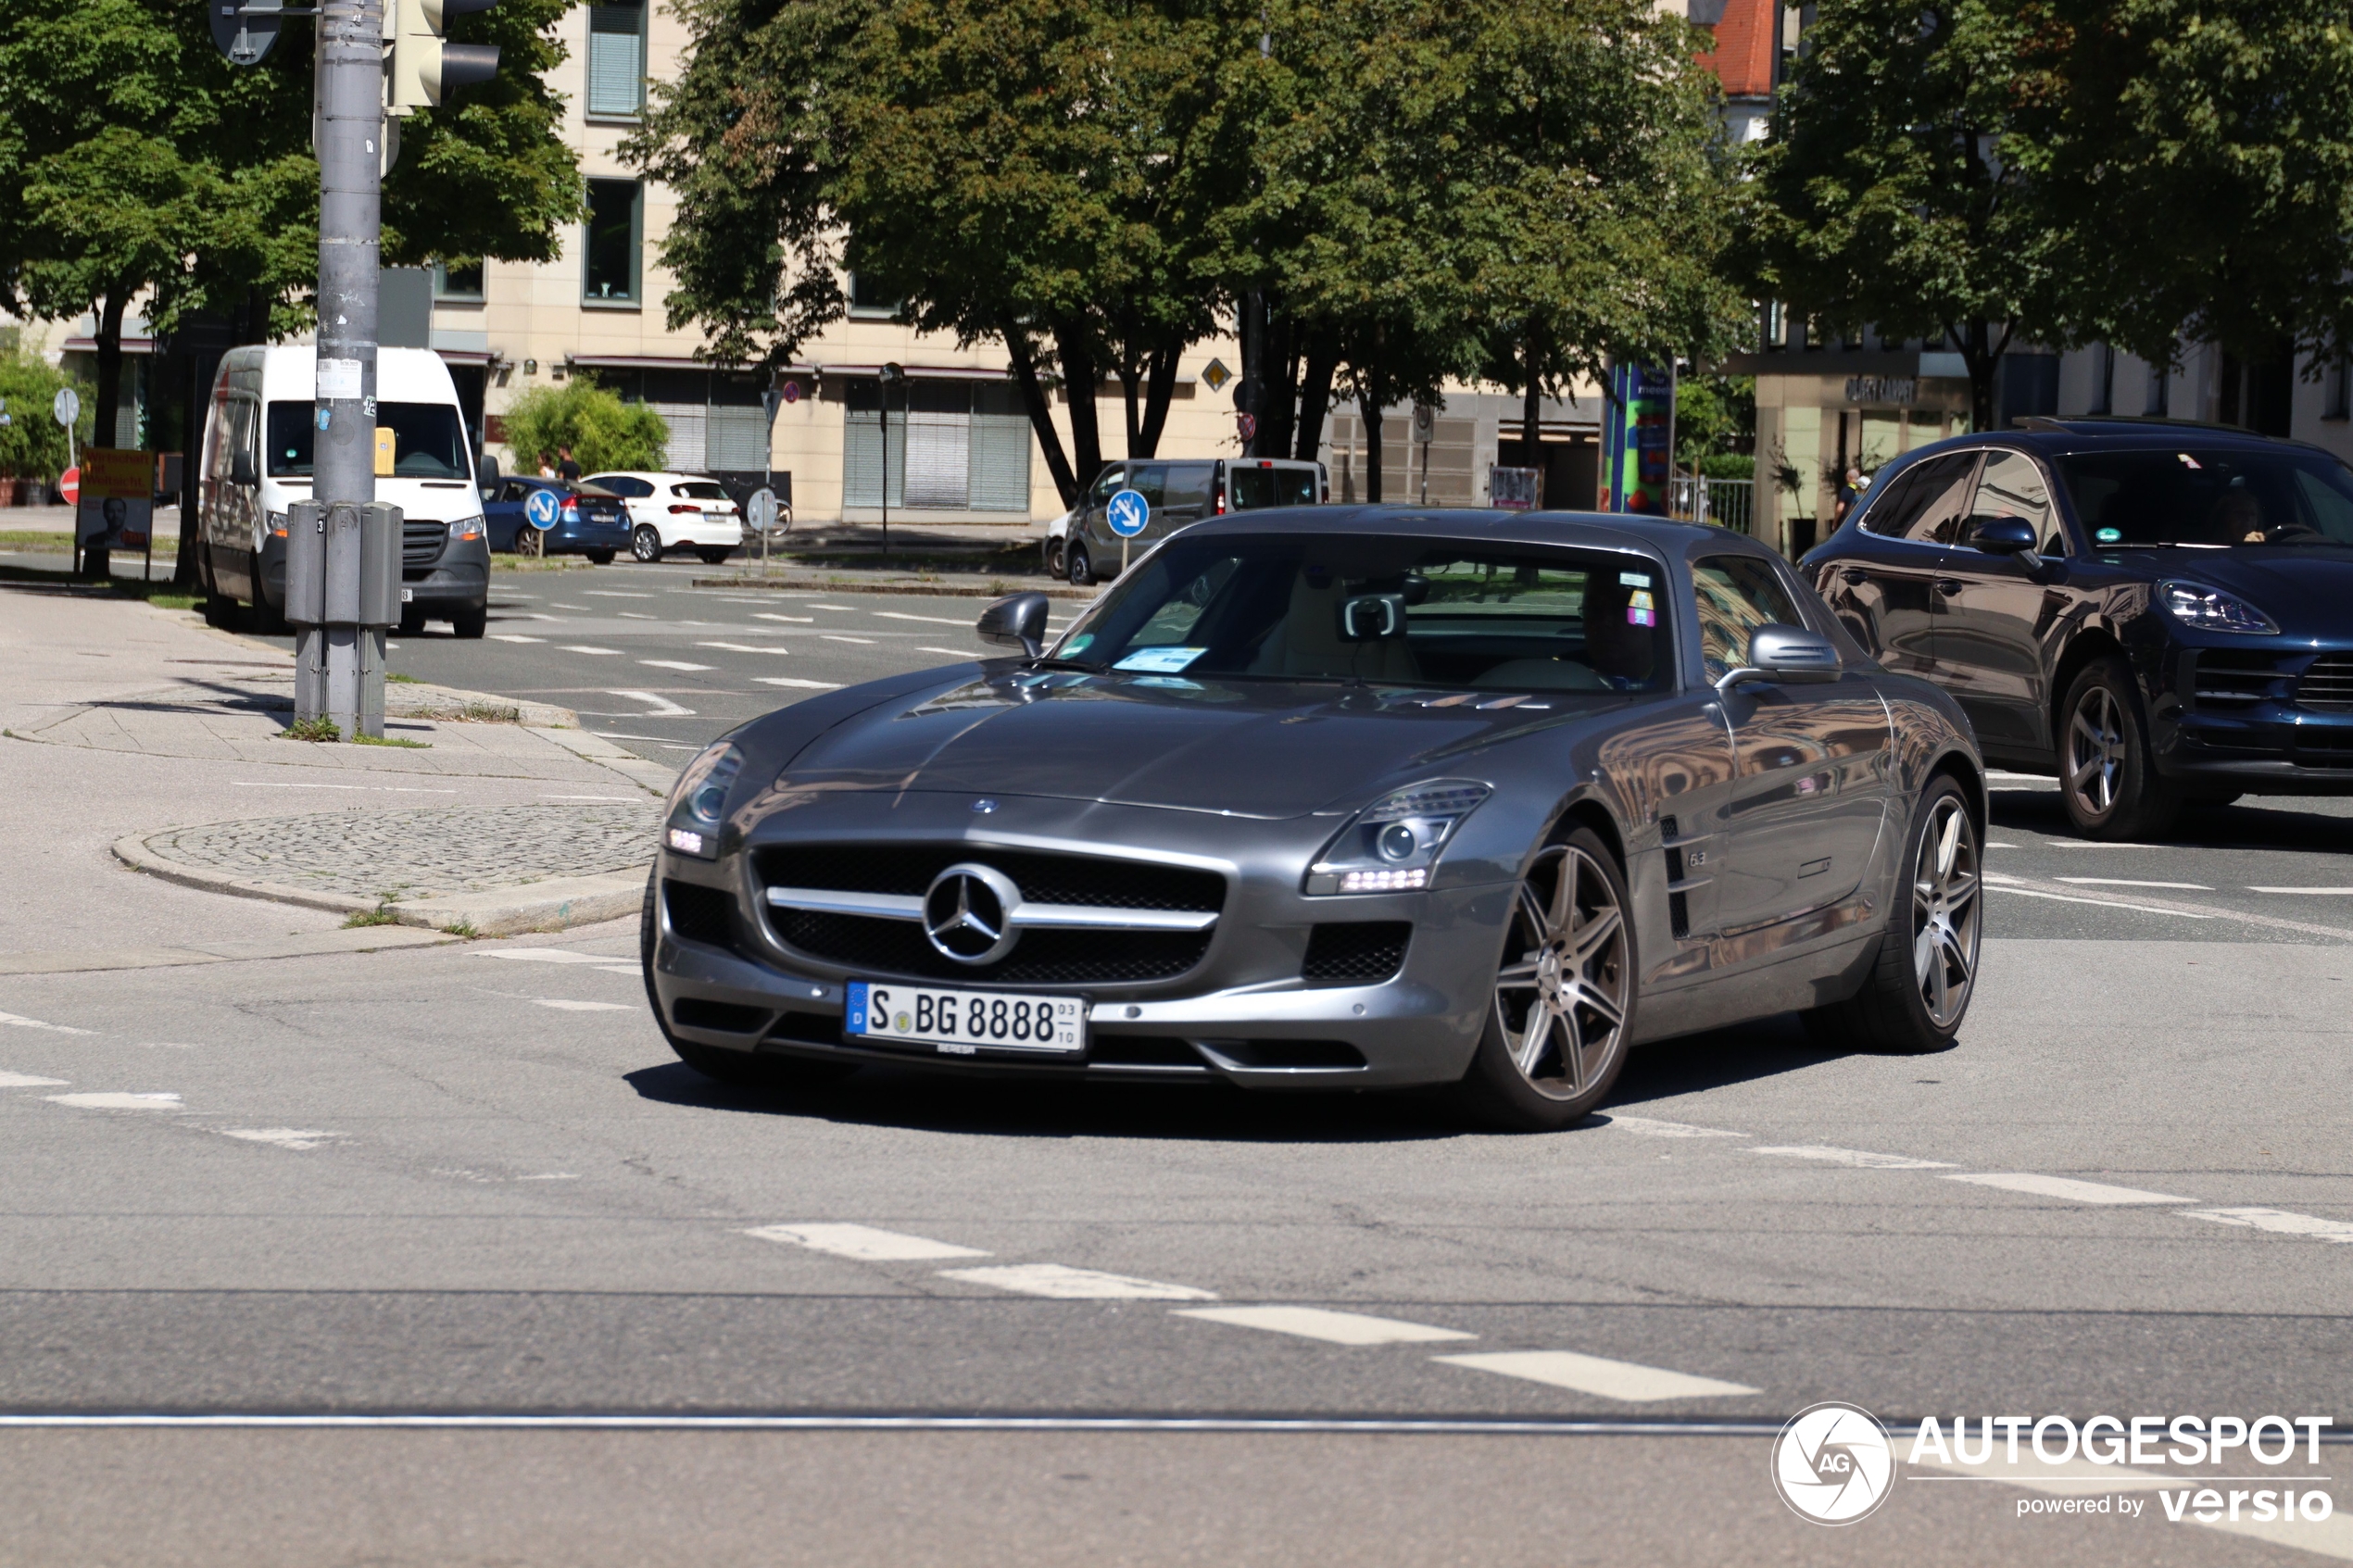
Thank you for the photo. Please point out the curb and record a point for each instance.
(914, 590)
(554, 905)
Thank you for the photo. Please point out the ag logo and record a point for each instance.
(1833, 1463)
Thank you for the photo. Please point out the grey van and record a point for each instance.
(1181, 492)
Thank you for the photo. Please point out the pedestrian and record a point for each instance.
(568, 467)
(546, 466)
(1850, 490)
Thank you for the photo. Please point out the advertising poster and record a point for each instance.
(1638, 439)
(116, 505)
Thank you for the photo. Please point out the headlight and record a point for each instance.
(2209, 609)
(699, 802)
(277, 525)
(466, 528)
(1393, 844)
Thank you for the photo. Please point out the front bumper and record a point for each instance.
(1245, 1013)
(2238, 719)
(460, 576)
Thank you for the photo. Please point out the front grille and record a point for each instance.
(699, 913)
(1358, 952)
(1041, 958)
(2320, 748)
(420, 543)
(2228, 679)
(908, 870)
(2327, 686)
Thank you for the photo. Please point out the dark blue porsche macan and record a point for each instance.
(2160, 614)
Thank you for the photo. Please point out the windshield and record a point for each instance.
(1415, 612)
(428, 440)
(2193, 495)
(1254, 488)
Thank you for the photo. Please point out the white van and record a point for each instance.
(1081, 545)
(257, 463)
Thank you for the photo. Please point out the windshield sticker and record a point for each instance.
(1639, 599)
(1638, 617)
(2109, 535)
(1633, 579)
(2188, 460)
(1078, 644)
(1160, 662)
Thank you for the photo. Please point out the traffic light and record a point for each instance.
(423, 67)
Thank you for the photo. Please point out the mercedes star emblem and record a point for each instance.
(968, 914)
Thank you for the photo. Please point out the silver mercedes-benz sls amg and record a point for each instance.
(1340, 797)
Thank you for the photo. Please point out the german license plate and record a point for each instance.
(965, 1022)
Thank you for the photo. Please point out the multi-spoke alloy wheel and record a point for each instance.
(1560, 997)
(530, 542)
(2096, 751)
(1944, 904)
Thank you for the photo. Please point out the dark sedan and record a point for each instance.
(553, 517)
(1340, 797)
(2158, 614)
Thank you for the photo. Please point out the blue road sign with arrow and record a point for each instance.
(1128, 511)
(541, 507)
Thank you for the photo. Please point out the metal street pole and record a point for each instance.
(891, 376)
(350, 141)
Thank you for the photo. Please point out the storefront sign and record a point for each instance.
(1883, 389)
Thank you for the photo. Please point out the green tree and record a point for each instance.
(32, 443)
(601, 431)
(1716, 424)
(1896, 188)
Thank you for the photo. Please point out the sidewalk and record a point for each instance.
(138, 737)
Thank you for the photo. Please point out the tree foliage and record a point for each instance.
(600, 430)
(32, 443)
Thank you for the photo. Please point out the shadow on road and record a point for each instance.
(2303, 823)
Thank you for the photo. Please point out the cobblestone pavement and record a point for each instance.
(423, 853)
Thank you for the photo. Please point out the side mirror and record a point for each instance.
(241, 470)
(489, 473)
(1786, 654)
(1016, 621)
(2002, 535)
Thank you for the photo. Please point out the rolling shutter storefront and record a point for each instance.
(954, 446)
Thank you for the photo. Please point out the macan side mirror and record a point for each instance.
(241, 470)
(2002, 535)
(1788, 654)
(1016, 621)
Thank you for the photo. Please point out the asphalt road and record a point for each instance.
(469, 1184)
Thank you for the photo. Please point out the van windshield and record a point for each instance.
(428, 440)
(1254, 488)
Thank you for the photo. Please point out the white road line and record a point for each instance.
(564, 1005)
(616, 735)
(1597, 1374)
(864, 1243)
(610, 799)
(1064, 1284)
(935, 620)
(788, 681)
(583, 647)
(670, 664)
(559, 606)
(118, 1102)
(2095, 903)
(635, 615)
(543, 955)
(630, 969)
(2128, 882)
(1998, 879)
(611, 593)
(866, 642)
(283, 1138)
(1318, 1322)
(1646, 1127)
(27, 1081)
(2066, 1187)
(386, 789)
(1860, 1159)
(814, 605)
(741, 648)
(952, 653)
(2278, 1221)
(2096, 844)
(514, 637)
(2326, 892)
(1997, 843)
(655, 707)
(12, 1019)
(795, 620)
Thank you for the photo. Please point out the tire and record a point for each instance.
(470, 623)
(2207, 800)
(1082, 571)
(531, 543)
(598, 558)
(714, 557)
(1563, 1007)
(645, 544)
(269, 620)
(2109, 781)
(1919, 984)
(1055, 567)
(412, 619)
(744, 1069)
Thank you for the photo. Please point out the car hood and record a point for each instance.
(1247, 749)
(2304, 589)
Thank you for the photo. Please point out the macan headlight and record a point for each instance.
(699, 802)
(1392, 846)
(2210, 609)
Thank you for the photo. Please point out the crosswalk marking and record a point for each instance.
(2066, 1187)
(283, 1138)
(1319, 1323)
(1597, 1374)
(864, 1243)
(1648, 1128)
(1860, 1159)
(27, 1081)
(2278, 1220)
(564, 1005)
(118, 1102)
(1064, 1284)
(788, 681)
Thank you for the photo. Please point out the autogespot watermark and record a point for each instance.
(1835, 1464)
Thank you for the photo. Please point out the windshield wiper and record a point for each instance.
(1042, 662)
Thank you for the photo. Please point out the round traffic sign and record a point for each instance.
(69, 486)
(66, 406)
(1128, 511)
(541, 508)
(1247, 424)
(759, 509)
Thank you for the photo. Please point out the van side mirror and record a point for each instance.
(1787, 655)
(1017, 620)
(489, 474)
(241, 470)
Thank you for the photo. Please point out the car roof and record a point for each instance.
(2049, 436)
(1497, 526)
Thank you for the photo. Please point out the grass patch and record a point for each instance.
(463, 928)
(489, 713)
(401, 679)
(381, 915)
(544, 563)
(312, 730)
(36, 539)
(391, 740)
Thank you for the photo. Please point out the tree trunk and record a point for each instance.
(1039, 405)
(1981, 353)
(1130, 380)
(1081, 378)
(1532, 426)
(1315, 396)
(1371, 399)
(1160, 385)
(109, 315)
(1280, 361)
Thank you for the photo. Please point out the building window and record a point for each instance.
(2103, 379)
(1772, 324)
(954, 445)
(617, 58)
(459, 282)
(2160, 397)
(2336, 390)
(610, 242)
(866, 301)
